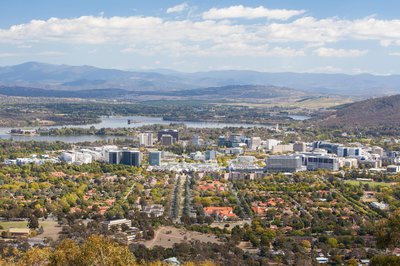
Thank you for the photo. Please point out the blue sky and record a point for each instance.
(354, 36)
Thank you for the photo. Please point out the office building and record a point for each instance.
(329, 147)
(146, 139)
(393, 169)
(155, 158)
(222, 141)
(197, 156)
(350, 162)
(107, 225)
(285, 163)
(167, 140)
(300, 147)
(235, 140)
(132, 158)
(270, 143)
(282, 148)
(210, 155)
(171, 132)
(377, 150)
(197, 141)
(114, 157)
(322, 162)
(348, 151)
(254, 143)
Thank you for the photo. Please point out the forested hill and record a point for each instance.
(384, 111)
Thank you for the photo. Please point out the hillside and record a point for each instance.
(240, 92)
(231, 92)
(384, 111)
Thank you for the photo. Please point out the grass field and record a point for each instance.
(14, 224)
(50, 227)
(372, 184)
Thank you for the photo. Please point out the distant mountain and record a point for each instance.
(84, 94)
(46, 76)
(64, 77)
(383, 111)
(340, 84)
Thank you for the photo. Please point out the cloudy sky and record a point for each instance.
(327, 36)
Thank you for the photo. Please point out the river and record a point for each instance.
(121, 122)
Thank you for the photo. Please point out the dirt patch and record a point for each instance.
(167, 236)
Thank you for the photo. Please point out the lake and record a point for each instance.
(121, 122)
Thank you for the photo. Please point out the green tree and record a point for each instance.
(332, 242)
(388, 231)
(33, 222)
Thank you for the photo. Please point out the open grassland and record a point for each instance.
(51, 228)
(308, 103)
(372, 184)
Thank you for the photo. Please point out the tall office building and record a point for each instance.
(235, 140)
(131, 158)
(114, 157)
(197, 141)
(210, 155)
(172, 132)
(253, 143)
(146, 139)
(222, 141)
(167, 140)
(155, 158)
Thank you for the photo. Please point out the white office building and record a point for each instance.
(146, 139)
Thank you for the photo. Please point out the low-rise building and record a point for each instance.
(282, 148)
(393, 169)
(285, 163)
(154, 210)
(19, 232)
(221, 213)
(107, 225)
(322, 162)
(300, 147)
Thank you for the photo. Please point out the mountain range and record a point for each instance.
(78, 78)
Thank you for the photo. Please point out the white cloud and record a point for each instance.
(8, 55)
(178, 8)
(395, 54)
(250, 13)
(312, 30)
(51, 53)
(330, 52)
(243, 49)
(176, 37)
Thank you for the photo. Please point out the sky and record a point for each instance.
(329, 36)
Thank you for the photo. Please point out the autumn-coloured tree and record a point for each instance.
(67, 253)
(36, 257)
(98, 250)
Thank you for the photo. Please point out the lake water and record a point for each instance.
(121, 122)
